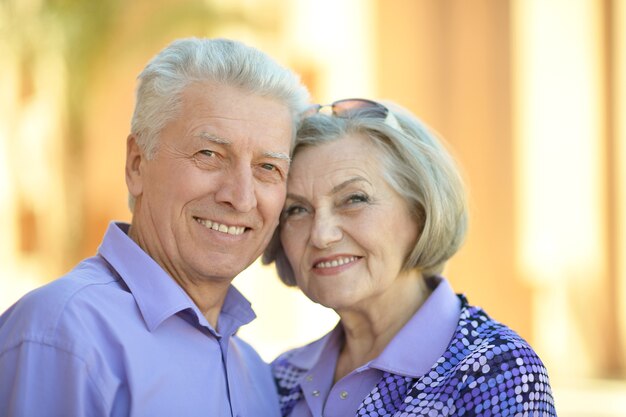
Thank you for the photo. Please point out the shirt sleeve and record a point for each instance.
(38, 379)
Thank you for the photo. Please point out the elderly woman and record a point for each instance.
(375, 207)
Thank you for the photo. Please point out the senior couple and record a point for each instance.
(359, 205)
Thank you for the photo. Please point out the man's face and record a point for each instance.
(209, 200)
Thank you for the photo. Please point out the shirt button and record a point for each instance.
(343, 395)
(309, 378)
(316, 393)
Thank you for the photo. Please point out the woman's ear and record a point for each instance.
(134, 166)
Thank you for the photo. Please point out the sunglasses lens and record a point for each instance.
(367, 108)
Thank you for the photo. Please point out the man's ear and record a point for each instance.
(135, 159)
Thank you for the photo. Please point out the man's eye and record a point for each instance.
(207, 159)
(207, 152)
(269, 173)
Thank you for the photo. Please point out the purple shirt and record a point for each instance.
(411, 353)
(117, 336)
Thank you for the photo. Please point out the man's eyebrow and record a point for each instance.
(278, 155)
(213, 138)
(221, 141)
(344, 184)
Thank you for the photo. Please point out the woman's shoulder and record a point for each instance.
(287, 375)
(484, 346)
(479, 335)
(307, 350)
(289, 366)
(487, 366)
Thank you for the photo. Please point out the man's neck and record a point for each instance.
(208, 293)
(208, 296)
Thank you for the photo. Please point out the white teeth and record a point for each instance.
(231, 230)
(336, 262)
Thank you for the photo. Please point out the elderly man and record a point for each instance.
(147, 326)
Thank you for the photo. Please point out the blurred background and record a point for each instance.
(529, 94)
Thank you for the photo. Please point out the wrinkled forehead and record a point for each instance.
(330, 163)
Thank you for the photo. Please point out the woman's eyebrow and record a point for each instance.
(295, 197)
(347, 182)
(334, 190)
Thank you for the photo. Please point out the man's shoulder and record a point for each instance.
(61, 292)
(47, 312)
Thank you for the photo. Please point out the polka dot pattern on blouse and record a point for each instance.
(487, 370)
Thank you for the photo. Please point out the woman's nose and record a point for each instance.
(326, 230)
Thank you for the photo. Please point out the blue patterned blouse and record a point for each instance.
(486, 370)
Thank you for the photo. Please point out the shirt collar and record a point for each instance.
(425, 337)
(157, 295)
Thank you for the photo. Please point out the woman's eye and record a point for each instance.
(358, 198)
(293, 210)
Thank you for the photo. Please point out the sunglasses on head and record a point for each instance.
(357, 106)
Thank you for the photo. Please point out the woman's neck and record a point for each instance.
(370, 327)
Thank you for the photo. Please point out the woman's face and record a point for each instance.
(345, 231)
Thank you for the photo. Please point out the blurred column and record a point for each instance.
(618, 33)
(32, 190)
(563, 172)
(9, 78)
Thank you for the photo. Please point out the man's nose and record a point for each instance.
(238, 189)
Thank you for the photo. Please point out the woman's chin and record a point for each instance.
(334, 301)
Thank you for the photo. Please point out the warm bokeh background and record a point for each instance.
(530, 95)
